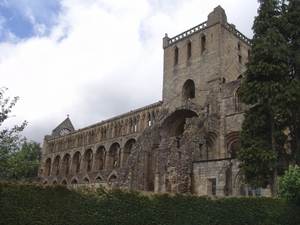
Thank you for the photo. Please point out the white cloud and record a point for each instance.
(100, 59)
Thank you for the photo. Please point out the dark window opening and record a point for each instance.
(99, 179)
(189, 51)
(240, 58)
(213, 188)
(113, 178)
(74, 181)
(176, 56)
(188, 90)
(203, 44)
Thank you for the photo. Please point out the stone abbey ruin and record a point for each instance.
(186, 143)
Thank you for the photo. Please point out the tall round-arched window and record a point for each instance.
(188, 90)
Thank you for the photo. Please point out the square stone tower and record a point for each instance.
(198, 60)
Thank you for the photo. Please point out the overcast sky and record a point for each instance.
(93, 59)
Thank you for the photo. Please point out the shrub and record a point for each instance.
(289, 185)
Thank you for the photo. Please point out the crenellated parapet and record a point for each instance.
(217, 16)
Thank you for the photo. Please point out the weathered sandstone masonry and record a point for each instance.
(74, 157)
(186, 143)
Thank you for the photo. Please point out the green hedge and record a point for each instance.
(35, 204)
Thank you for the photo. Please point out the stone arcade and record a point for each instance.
(186, 143)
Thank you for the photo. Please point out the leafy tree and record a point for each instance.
(25, 163)
(13, 147)
(289, 185)
(266, 79)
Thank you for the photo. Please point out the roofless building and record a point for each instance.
(186, 143)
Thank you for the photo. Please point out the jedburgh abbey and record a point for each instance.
(185, 143)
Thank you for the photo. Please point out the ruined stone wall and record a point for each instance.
(213, 177)
(187, 143)
(95, 153)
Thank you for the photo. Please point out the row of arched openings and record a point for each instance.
(89, 161)
(189, 49)
(85, 180)
(113, 130)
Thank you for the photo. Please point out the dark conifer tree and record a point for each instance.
(293, 28)
(292, 15)
(265, 89)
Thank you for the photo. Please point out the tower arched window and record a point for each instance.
(189, 50)
(188, 90)
(240, 58)
(203, 44)
(176, 56)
